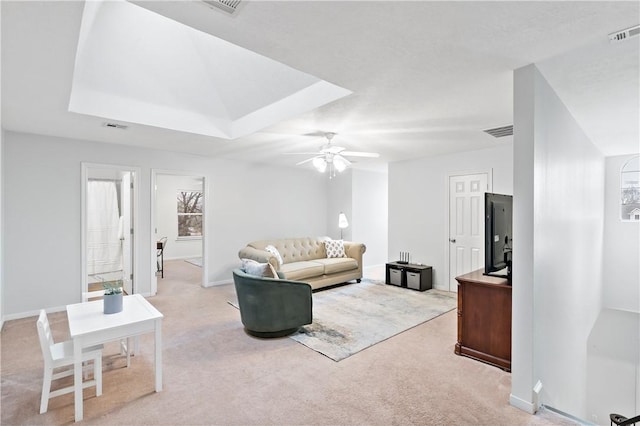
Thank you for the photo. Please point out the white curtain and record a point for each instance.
(104, 250)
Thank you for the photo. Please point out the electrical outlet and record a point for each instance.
(594, 418)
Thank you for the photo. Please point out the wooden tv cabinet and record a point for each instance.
(484, 319)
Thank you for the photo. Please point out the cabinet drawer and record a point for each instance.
(395, 276)
(413, 280)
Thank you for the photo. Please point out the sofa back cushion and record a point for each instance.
(295, 249)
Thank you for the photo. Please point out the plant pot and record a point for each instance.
(112, 303)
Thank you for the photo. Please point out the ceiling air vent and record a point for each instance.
(114, 125)
(229, 6)
(499, 132)
(625, 34)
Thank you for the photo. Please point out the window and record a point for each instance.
(189, 214)
(630, 190)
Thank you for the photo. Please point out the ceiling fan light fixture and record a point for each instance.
(331, 158)
(320, 164)
(339, 164)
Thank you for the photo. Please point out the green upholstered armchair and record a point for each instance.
(270, 307)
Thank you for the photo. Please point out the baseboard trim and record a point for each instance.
(217, 283)
(181, 258)
(523, 405)
(381, 265)
(568, 416)
(27, 314)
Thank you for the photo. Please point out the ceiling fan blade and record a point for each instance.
(307, 160)
(361, 154)
(347, 162)
(302, 153)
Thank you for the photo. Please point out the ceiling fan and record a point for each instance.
(332, 157)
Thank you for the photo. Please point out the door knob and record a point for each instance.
(453, 240)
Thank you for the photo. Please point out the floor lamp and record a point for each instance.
(342, 222)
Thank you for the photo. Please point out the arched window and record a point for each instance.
(630, 190)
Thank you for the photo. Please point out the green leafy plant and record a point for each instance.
(112, 287)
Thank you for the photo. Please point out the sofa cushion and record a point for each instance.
(334, 248)
(301, 270)
(258, 269)
(339, 264)
(295, 249)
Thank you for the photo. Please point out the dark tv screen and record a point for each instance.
(498, 234)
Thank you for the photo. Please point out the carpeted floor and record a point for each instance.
(214, 373)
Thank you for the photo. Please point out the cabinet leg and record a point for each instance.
(358, 280)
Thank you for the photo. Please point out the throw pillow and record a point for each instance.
(334, 248)
(274, 251)
(258, 269)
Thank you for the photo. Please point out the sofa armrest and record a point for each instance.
(261, 256)
(354, 250)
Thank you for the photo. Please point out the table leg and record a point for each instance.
(77, 379)
(158, 355)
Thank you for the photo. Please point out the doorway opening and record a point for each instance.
(465, 217)
(108, 221)
(178, 229)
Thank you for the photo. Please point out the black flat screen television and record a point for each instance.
(498, 234)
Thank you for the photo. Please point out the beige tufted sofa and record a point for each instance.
(305, 259)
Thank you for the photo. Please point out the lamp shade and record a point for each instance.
(342, 221)
(339, 163)
(320, 164)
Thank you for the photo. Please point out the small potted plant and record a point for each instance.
(112, 297)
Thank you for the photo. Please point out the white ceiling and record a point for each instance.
(137, 66)
(426, 77)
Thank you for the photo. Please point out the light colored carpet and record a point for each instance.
(353, 317)
(197, 261)
(216, 374)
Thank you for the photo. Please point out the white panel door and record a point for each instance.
(466, 225)
(127, 236)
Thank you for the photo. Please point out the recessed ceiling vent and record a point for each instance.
(625, 34)
(229, 6)
(499, 132)
(114, 125)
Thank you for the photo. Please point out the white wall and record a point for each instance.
(369, 217)
(613, 348)
(167, 186)
(567, 239)
(362, 196)
(522, 315)
(621, 265)
(1, 223)
(42, 268)
(1, 193)
(339, 196)
(418, 204)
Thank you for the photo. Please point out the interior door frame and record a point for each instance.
(84, 176)
(205, 232)
(447, 212)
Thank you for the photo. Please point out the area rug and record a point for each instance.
(353, 317)
(195, 261)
